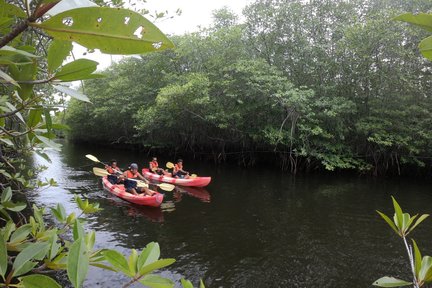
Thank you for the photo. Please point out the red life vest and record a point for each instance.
(178, 167)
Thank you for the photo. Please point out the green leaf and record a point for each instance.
(419, 220)
(59, 212)
(132, 263)
(34, 118)
(149, 255)
(398, 213)
(8, 78)
(78, 262)
(55, 247)
(6, 194)
(156, 281)
(90, 240)
(186, 283)
(48, 120)
(156, 265)
(118, 261)
(417, 258)
(425, 47)
(13, 108)
(73, 93)
(78, 230)
(389, 221)
(22, 262)
(76, 70)
(425, 269)
(7, 9)
(21, 233)
(7, 50)
(111, 30)
(390, 282)
(7, 141)
(202, 284)
(3, 256)
(57, 53)
(422, 20)
(39, 281)
(48, 142)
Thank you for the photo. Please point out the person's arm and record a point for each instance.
(142, 178)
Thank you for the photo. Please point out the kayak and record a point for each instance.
(194, 182)
(119, 191)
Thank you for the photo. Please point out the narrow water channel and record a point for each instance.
(249, 227)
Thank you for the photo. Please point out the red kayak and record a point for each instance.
(119, 191)
(194, 182)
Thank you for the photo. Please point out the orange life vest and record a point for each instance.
(111, 170)
(154, 165)
(131, 175)
(178, 167)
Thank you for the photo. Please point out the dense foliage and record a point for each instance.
(313, 84)
(34, 42)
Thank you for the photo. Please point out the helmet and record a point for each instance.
(133, 166)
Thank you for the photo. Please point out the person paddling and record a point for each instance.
(131, 186)
(178, 170)
(114, 170)
(154, 167)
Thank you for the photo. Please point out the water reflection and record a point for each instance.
(197, 192)
(249, 227)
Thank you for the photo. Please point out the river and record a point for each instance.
(250, 227)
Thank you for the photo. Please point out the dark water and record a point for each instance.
(249, 227)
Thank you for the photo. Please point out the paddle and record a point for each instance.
(94, 159)
(164, 186)
(170, 165)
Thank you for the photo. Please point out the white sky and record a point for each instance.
(195, 14)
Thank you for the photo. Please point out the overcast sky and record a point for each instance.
(195, 13)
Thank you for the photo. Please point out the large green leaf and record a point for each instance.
(6, 194)
(34, 117)
(426, 268)
(78, 70)
(112, 30)
(156, 281)
(390, 282)
(417, 258)
(426, 47)
(21, 233)
(398, 213)
(39, 281)
(155, 265)
(22, 263)
(78, 262)
(422, 20)
(149, 255)
(118, 261)
(3, 256)
(7, 9)
(57, 53)
(71, 92)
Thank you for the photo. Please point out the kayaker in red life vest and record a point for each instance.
(113, 169)
(154, 167)
(178, 171)
(131, 186)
